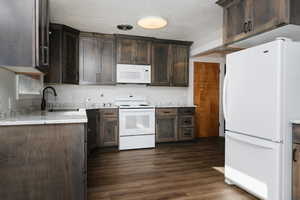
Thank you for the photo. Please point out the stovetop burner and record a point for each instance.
(132, 102)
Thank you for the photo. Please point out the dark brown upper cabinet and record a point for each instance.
(97, 59)
(180, 70)
(170, 63)
(24, 35)
(161, 64)
(245, 18)
(63, 55)
(133, 50)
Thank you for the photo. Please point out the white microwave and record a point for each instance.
(133, 73)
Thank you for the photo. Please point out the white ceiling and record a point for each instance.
(193, 20)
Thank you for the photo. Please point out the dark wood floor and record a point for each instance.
(181, 171)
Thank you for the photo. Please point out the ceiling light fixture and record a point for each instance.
(152, 22)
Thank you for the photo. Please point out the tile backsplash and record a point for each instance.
(79, 95)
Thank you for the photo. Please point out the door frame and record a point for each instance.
(222, 63)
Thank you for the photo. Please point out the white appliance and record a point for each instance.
(260, 97)
(136, 123)
(133, 73)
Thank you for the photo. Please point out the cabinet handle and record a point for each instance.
(45, 55)
(249, 26)
(294, 155)
(245, 27)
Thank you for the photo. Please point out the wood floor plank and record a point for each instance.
(174, 171)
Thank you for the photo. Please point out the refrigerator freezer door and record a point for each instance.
(252, 91)
(254, 165)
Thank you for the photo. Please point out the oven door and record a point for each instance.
(136, 122)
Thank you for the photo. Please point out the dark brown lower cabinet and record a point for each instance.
(166, 126)
(109, 128)
(43, 162)
(186, 134)
(174, 124)
(92, 129)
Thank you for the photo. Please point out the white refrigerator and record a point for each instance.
(261, 96)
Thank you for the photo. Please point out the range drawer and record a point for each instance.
(109, 112)
(166, 111)
(186, 121)
(186, 111)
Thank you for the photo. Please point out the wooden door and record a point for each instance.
(125, 51)
(90, 59)
(206, 98)
(70, 58)
(107, 75)
(142, 52)
(235, 17)
(296, 172)
(161, 64)
(109, 131)
(266, 14)
(180, 69)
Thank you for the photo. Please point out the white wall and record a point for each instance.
(74, 94)
(221, 61)
(7, 90)
(8, 100)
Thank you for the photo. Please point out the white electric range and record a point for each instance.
(136, 123)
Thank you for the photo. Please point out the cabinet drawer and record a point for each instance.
(186, 134)
(109, 112)
(186, 121)
(186, 111)
(166, 111)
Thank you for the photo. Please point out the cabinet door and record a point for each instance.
(186, 134)
(235, 17)
(296, 172)
(180, 65)
(43, 39)
(125, 51)
(166, 129)
(55, 67)
(92, 129)
(109, 131)
(90, 60)
(107, 75)
(161, 64)
(70, 58)
(266, 14)
(142, 52)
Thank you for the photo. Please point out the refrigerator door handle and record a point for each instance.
(225, 96)
(294, 155)
(250, 141)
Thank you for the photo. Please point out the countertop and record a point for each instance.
(95, 106)
(155, 106)
(295, 121)
(175, 106)
(39, 118)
